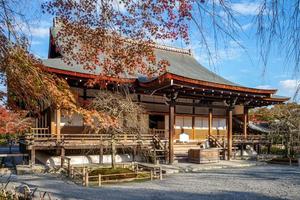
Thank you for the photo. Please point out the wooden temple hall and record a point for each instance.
(187, 107)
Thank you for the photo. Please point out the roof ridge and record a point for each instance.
(156, 45)
(174, 49)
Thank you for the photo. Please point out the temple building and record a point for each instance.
(186, 105)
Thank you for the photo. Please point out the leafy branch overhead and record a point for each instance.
(125, 113)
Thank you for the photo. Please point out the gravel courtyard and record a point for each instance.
(261, 182)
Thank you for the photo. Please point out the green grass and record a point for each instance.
(107, 171)
(123, 174)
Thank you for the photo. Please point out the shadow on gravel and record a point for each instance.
(144, 194)
(272, 173)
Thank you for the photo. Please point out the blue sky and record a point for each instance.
(234, 63)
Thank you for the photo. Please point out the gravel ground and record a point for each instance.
(262, 182)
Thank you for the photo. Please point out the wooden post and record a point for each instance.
(83, 176)
(58, 116)
(193, 121)
(62, 157)
(32, 156)
(210, 118)
(151, 175)
(101, 154)
(258, 149)
(242, 150)
(99, 180)
(133, 153)
(160, 174)
(86, 179)
(171, 130)
(69, 167)
(72, 172)
(245, 122)
(154, 159)
(269, 148)
(229, 135)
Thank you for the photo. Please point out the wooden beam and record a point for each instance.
(186, 104)
(229, 135)
(171, 131)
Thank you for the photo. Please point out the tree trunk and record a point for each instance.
(113, 154)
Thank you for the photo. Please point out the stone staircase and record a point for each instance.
(181, 150)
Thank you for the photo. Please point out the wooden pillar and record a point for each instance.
(229, 135)
(32, 156)
(171, 131)
(269, 148)
(134, 153)
(210, 118)
(52, 122)
(242, 150)
(101, 154)
(258, 149)
(245, 122)
(193, 121)
(58, 115)
(62, 155)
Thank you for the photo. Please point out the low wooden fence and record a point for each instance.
(83, 175)
(250, 139)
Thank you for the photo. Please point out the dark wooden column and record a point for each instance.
(210, 118)
(62, 155)
(245, 122)
(229, 134)
(193, 121)
(171, 130)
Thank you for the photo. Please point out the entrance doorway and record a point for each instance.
(157, 121)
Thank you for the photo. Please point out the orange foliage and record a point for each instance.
(13, 122)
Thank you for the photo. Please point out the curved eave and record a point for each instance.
(170, 76)
(88, 76)
(277, 100)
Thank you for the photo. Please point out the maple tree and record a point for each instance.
(12, 122)
(119, 37)
(284, 121)
(125, 113)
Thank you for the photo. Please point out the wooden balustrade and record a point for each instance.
(40, 132)
(253, 138)
(161, 133)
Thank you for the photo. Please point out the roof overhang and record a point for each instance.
(168, 77)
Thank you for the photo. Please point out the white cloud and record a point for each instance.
(247, 26)
(231, 52)
(40, 31)
(119, 5)
(288, 87)
(3, 88)
(290, 84)
(264, 87)
(246, 8)
(35, 42)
